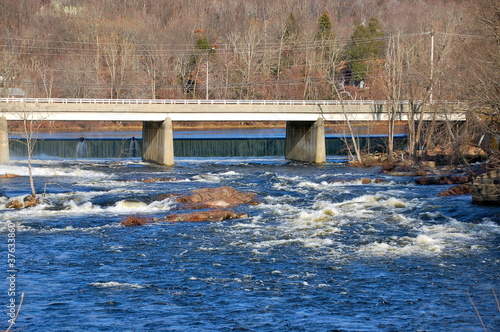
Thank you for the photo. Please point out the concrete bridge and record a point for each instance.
(305, 128)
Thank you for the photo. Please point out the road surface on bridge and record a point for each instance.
(54, 109)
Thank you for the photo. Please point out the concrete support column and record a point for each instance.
(305, 141)
(158, 142)
(4, 141)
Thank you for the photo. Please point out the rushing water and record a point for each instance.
(323, 252)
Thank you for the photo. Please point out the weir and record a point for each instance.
(118, 148)
(4, 141)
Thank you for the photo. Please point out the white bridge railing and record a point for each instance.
(201, 101)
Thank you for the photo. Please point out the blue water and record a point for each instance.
(323, 252)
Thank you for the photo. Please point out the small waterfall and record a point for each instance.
(134, 150)
(81, 149)
(132, 147)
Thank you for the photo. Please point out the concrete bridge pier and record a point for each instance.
(158, 142)
(305, 141)
(4, 141)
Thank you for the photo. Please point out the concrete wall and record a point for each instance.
(305, 141)
(158, 142)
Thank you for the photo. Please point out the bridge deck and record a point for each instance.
(53, 109)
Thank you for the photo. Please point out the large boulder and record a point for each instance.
(208, 215)
(486, 189)
(221, 197)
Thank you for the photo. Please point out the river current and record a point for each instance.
(322, 252)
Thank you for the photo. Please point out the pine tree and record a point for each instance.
(366, 45)
(325, 31)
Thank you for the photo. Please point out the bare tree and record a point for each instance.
(119, 58)
(484, 76)
(29, 131)
(393, 83)
(248, 59)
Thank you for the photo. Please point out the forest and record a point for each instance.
(394, 50)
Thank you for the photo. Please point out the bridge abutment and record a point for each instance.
(158, 142)
(4, 141)
(305, 141)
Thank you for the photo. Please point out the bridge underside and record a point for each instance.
(305, 141)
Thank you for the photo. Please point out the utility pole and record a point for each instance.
(432, 66)
(206, 83)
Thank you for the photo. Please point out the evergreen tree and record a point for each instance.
(325, 31)
(366, 45)
(291, 32)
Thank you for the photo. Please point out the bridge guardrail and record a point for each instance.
(203, 101)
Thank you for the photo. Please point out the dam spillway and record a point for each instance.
(75, 148)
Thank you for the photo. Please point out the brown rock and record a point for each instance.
(446, 179)
(210, 215)
(14, 205)
(7, 176)
(461, 189)
(136, 221)
(388, 166)
(428, 163)
(28, 201)
(366, 181)
(220, 197)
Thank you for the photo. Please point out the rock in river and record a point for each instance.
(221, 197)
(214, 201)
(209, 215)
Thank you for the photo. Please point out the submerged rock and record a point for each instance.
(364, 181)
(137, 221)
(131, 204)
(209, 215)
(155, 180)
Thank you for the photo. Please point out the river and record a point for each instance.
(322, 252)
